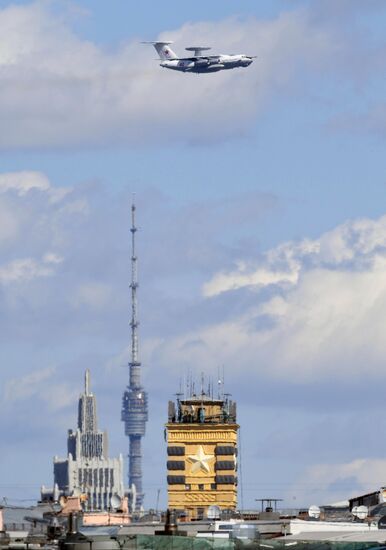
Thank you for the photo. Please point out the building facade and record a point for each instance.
(87, 470)
(201, 438)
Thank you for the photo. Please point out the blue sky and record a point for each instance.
(260, 199)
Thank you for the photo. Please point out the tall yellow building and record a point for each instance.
(202, 454)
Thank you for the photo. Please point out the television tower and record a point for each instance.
(134, 403)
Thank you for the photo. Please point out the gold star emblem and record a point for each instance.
(200, 461)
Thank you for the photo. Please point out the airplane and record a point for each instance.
(198, 62)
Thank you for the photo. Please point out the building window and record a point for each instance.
(176, 451)
(213, 486)
(201, 487)
(176, 480)
(225, 450)
(200, 513)
(176, 465)
(225, 465)
(225, 480)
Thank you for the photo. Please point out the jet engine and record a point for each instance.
(215, 67)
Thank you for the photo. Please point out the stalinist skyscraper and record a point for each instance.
(87, 470)
(87, 441)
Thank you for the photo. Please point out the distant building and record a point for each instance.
(375, 501)
(87, 470)
(202, 454)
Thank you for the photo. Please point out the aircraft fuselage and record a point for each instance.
(207, 65)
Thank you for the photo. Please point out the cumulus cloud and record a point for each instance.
(30, 208)
(39, 385)
(29, 268)
(353, 244)
(283, 266)
(316, 310)
(61, 90)
(22, 182)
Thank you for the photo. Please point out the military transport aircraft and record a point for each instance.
(198, 63)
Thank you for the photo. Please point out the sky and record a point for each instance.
(261, 204)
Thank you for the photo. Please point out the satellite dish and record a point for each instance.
(115, 501)
(382, 522)
(213, 512)
(314, 511)
(56, 493)
(362, 512)
(133, 497)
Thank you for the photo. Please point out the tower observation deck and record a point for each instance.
(134, 403)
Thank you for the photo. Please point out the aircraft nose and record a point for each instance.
(247, 61)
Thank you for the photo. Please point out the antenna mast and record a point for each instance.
(134, 285)
(134, 406)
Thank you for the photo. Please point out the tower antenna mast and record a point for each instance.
(134, 285)
(134, 406)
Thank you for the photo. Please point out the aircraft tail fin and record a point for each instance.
(164, 50)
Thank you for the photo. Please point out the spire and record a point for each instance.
(134, 285)
(87, 408)
(87, 382)
(87, 441)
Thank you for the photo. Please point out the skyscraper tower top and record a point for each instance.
(87, 469)
(87, 441)
(87, 413)
(134, 404)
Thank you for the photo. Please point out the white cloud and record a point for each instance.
(323, 316)
(32, 210)
(26, 269)
(23, 387)
(39, 385)
(60, 90)
(283, 266)
(22, 182)
(22, 196)
(25, 181)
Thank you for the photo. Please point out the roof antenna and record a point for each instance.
(223, 380)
